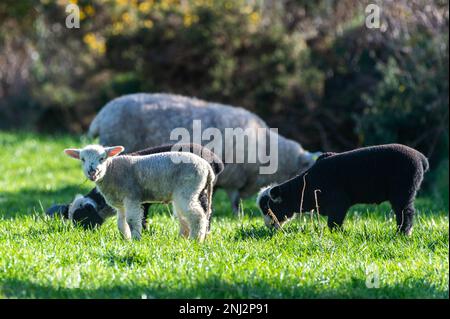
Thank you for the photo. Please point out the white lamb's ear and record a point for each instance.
(114, 150)
(73, 152)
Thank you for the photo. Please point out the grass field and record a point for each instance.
(45, 258)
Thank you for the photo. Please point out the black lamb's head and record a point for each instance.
(83, 211)
(270, 199)
(87, 216)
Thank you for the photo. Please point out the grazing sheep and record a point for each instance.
(391, 172)
(92, 210)
(149, 120)
(126, 182)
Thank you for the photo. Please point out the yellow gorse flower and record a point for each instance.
(145, 6)
(122, 2)
(148, 24)
(89, 10)
(117, 27)
(95, 43)
(126, 18)
(189, 19)
(255, 18)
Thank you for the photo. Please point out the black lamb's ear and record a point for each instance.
(65, 211)
(58, 210)
(275, 194)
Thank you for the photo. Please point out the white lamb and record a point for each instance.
(128, 181)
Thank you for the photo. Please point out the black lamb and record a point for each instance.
(91, 210)
(371, 175)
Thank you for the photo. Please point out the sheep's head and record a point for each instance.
(94, 159)
(83, 211)
(273, 208)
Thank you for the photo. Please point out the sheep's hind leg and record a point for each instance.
(404, 215)
(195, 216)
(134, 215)
(402, 202)
(206, 205)
(122, 224)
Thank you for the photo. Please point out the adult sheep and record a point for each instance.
(144, 120)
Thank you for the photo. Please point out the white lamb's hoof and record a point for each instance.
(136, 235)
(199, 238)
(126, 236)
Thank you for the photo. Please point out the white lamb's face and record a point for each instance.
(94, 159)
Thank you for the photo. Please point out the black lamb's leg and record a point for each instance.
(402, 202)
(335, 221)
(334, 205)
(146, 208)
(404, 215)
(336, 215)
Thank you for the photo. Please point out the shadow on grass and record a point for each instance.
(30, 200)
(215, 287)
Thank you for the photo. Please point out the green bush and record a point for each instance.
(386, 85)
(312, 69)
(223, 55)
(440, 188)
(410, 103)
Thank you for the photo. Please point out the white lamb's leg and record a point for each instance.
(194, 215)
(134, 215)
(198, 223)
(184, 227)
(197, 219)
(122, 224)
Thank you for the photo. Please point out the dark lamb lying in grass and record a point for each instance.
(391, 172)
(91, 210)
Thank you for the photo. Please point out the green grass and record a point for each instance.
(48, 258)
